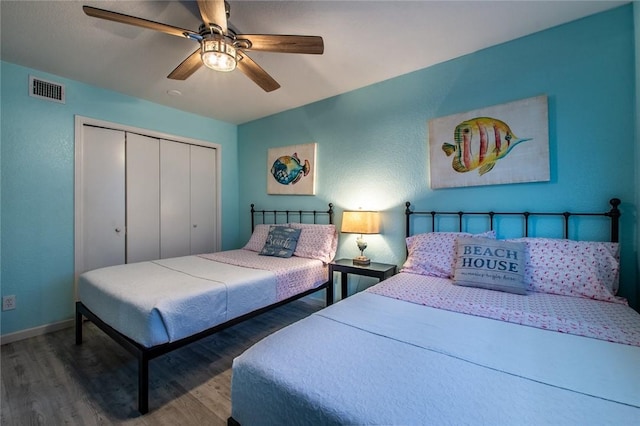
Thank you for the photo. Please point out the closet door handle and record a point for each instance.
(195, 225)
(118, 230)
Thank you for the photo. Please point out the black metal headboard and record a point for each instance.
(286, 216)
(613, 214)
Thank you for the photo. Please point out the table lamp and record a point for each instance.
(360, 222)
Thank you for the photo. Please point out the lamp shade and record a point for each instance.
(360, 222)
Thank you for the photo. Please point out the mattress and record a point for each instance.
(166, 300)
(374, 359)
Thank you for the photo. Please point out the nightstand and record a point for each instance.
(380, 271)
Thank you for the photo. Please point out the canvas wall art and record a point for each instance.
(291, 170)
(507, 143)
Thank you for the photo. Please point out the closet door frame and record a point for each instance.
(80, 122)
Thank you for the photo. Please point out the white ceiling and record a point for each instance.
(365, 42)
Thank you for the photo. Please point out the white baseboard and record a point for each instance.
(36, 331)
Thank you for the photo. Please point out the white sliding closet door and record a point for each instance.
(143, 198)
(203, 199)
(175, 204)
(103, 227)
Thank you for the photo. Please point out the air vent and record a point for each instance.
(43, 89)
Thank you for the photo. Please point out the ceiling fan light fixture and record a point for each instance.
(218, 54)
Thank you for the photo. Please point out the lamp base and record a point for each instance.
(361, 261)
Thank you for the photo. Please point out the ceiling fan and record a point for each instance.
(220, 47)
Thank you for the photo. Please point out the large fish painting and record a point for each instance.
(507, 143)
(480, 143)
(291, 170)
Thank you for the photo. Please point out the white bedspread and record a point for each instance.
(372, 359)
(165, 300)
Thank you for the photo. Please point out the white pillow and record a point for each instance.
(316, 241)
(258, 237)
(433, 253)
(588, 269)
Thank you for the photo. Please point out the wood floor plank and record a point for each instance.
(49, 380)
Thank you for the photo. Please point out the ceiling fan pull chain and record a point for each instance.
(194, 37)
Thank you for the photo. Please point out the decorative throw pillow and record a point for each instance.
(491, 264)
(258, 237)
(433, 253)
(587, 269)
(317, 241)
(281, 241)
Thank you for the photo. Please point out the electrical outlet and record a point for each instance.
(8, 302)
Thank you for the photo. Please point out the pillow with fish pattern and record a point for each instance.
(281, 241)
(490, 264)
(317, 241)
(258, 238)
(433, 253)
(587, 269)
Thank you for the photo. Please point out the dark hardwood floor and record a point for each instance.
(48, 380)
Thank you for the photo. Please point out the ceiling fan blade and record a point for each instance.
(138, 22)
(284, 43)
(187, 67)
(214, 12)
(256, 73)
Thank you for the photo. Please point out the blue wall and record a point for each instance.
(38, 180)
(372, 143)
(636, 20)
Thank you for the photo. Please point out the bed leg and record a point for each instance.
(330, 293)
(143, 384)
(78, 325)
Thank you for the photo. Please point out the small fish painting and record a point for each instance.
(479, 143)
(292, 170)
(288, 169)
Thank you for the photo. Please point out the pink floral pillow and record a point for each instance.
(434, 253)
(258, 237)
(587, 269)
(316, 241)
